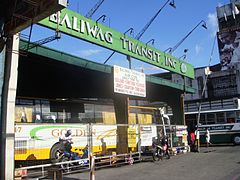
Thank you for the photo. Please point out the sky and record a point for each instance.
(169, 27)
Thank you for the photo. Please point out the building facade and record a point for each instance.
(217, 88)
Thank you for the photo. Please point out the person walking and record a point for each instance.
(207, 136)
(192, 141)
(197, 139)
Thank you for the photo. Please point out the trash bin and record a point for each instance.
(55, 173)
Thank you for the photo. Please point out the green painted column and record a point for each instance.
(121, 111)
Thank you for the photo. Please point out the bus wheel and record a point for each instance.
(236, 140)
(54, 152)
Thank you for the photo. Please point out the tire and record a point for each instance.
(156, 155)
(55, 153)
(236, 140)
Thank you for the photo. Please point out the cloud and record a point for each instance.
(198, 49)
(220, 4)
(212, 23)
(88, 52)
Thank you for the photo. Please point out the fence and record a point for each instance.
(34, 150)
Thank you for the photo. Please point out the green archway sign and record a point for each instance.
(76, 25)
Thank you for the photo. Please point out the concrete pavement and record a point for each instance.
(214, 163)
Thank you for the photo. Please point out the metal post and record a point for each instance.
(130, 67)
(182, 108)
(182, 100)
(8, 107)
(64, 115)
(164, 128)
(139, 140)
(139, 133)
(2, 120)
(129, 62)
(202, 94)
(205, 84)
(92, 169)
(43, 171)
(90, 143)
(171, 137)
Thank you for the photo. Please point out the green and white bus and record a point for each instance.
(221, 133)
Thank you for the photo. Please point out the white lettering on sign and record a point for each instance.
(170, 62)
(82, 27)
(94, 32)
(140, 50)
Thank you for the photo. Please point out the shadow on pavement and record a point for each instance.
(71, 178)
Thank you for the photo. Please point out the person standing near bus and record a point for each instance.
(207, 136)
(197, 138)
(23, 117)
(192, 141)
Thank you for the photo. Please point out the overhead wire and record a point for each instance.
(140, 34)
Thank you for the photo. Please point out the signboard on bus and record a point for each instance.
(130, 82)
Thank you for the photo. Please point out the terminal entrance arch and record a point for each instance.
(48, 74)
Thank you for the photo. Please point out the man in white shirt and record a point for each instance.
(207, 135)
(197, 137)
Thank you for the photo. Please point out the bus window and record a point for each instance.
(202, 119)
(230, 120)
(220, 117)
(238, 117)
(211, 118)
(231, 117)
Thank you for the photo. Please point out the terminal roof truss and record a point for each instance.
(17, 15)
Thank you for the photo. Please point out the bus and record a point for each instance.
(34, 141)
(40, 123)
(221, 133)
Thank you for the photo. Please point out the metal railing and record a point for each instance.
(76, 166)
